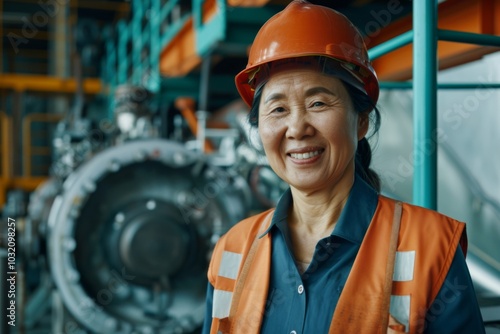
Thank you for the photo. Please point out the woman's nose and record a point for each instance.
(299, 126)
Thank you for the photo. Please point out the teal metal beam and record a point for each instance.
(391, 45)
(424, 103)
(135, 27)
(153, 82)
(167, 8)
(109, 61)
(231, 30)
(443, 35)
(209, 34)
(469, 38)
(123, 59)
(465, 85)
(110, 72)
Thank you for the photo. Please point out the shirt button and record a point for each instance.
(300, 289)
(293, 332)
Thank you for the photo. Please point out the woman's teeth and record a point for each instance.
(301, 156)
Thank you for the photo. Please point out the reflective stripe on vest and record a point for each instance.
(403, 272)
(229, 267)
(400, 309)
(221, 304)
(404, 266)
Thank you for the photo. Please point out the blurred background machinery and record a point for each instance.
(118, 239)
(125, 151)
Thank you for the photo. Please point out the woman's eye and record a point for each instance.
(318, 104)
(278, 109)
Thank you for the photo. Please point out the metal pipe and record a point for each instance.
(136, 35)
(221, 133)
(76, 112)
(445, 85)
(154, 54)
(424, 103)
(201, 115)
(203, 101)
(61, 55)
(391, 45)
(468, 37)
(204, 83)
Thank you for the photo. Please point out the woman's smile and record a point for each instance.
(305, 156)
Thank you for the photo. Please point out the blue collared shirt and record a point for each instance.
(305, 303)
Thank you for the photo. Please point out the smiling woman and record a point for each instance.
(334, 256)
(361, 104)
(310, 130)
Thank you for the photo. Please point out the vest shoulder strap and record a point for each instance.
(238, 303)
(426, 245)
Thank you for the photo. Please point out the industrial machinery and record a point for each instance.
(131, 232)
(119, 239)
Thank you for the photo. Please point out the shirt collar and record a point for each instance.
(354, 218)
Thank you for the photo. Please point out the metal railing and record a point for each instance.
(29, 150)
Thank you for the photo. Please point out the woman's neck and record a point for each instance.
(317, 212)
(313, 216)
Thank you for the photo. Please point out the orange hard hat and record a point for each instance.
(303, 29)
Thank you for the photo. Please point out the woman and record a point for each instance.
(334, 256)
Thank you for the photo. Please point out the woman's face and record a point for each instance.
(309, 128)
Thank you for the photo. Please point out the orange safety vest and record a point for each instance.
(423, 249)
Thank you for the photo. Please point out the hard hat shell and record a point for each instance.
(303, 29)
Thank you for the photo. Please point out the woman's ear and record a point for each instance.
(363, 124)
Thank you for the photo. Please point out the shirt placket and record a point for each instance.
(298, 291)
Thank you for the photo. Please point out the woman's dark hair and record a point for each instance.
(362, 104)
(253, 115)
